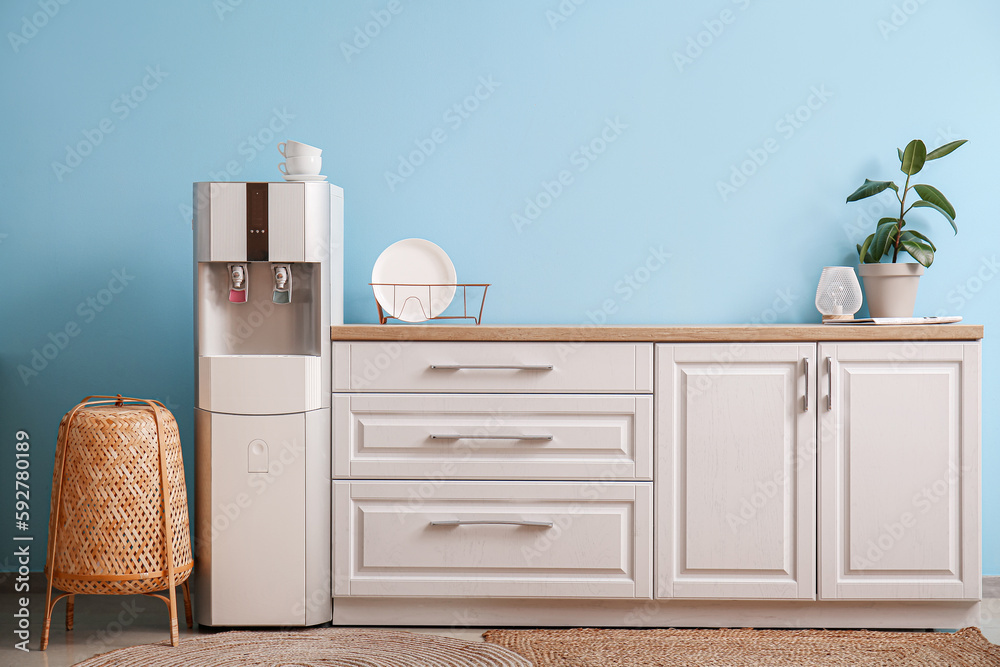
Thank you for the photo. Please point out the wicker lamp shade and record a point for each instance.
(119, 518)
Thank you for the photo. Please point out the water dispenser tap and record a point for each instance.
(238, 284)
(282, 283)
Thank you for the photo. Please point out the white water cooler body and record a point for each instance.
(268, 284)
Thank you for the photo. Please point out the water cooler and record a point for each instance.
(268, 284)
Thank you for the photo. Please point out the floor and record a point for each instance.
(104, 623)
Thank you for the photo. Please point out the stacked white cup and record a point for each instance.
(302, 161)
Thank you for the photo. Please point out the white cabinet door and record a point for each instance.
(899, 470)
(254, 572)
(735, 438)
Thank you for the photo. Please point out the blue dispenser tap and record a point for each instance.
(282, 283)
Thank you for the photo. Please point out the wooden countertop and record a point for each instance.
(657, 334)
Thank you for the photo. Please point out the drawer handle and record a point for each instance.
(829, 379)
(805, 399)
(468, 367)
(491, 522)
(438, 436)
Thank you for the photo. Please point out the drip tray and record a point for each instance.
(264, 384)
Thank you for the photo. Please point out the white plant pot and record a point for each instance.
(891, 289)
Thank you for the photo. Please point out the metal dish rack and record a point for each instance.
(384, 317)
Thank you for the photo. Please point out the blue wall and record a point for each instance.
(643, 109)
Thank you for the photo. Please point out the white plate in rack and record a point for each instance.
(420, 280)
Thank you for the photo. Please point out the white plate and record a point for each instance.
(303, 177)
(409, 262)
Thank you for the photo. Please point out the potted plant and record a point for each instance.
(891, 288)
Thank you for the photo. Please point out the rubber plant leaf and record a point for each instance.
(864, 254)
(914, 156)
(885, 235)
(918, 250)
(920, 236)
(941, 151)
(920, 203)
(934, 196)
(871, 188)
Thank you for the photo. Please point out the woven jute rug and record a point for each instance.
(747, 647)
(326, 647)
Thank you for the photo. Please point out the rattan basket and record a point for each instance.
(117, 459)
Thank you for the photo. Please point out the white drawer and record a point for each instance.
(388, 436)
(493, 539)
(493, 367)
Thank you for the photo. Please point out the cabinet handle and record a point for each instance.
(474, 367)
(805, 399)
(438, 436)
(491, 522)
(829, 380)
